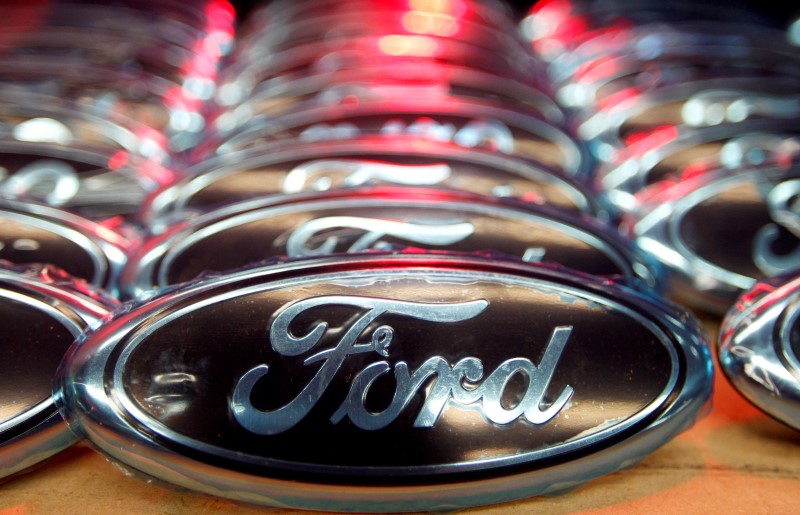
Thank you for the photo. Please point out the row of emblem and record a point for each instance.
(364, 331)
(432, 279)
(694, 126)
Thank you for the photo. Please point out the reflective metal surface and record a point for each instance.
(375, 81)
(759, 348)
(719, 231)
(41, 313)
(35, 233)
(383, 219)
(91, 182)
(469, 124)
(332, 165)
(423, 381)
(671, 152)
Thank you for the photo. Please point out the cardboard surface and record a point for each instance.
(736, 460)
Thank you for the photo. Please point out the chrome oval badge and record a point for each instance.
(465, 123)
(719, 231)
(41, 313)
(759, 347)
(282, 385)
(37, 118)
(669, 152)
(326, 166)
(34, 233)
(97, 185)
(383, 219)
(242, 99)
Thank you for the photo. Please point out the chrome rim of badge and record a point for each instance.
(470, 124)
(701, 47)
(644, 29)
(381, 219)
(36, 233)
(351, 52)
(363, 161)
(35, 301)
(493, 14)
(759, 349)
(208, 425)
(92, 182)
(241, 99)
(703, 103)
(719, 231)
(34, 119)
(665, 153)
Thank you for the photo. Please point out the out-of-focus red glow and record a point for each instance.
(560, 27)
(607, 40)
(455, 8)
(599, 68)
(552, 13)
(617, 98)
(419, 22)
(559, 36)
(694, 170)
(206, 53)
(571, 29)
(157, 173)
(417, 46)
(532, 197)
(177, 97)
(639, 143)
(220, 14)
(118, 160)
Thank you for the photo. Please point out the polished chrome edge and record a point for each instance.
(753, 353)
(82, 398)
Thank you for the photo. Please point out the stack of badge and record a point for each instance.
(43, 311)
(96, 100)
(692, 114)
(370, 123)
(440, 271)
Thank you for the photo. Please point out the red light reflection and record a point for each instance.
(419, 22)
(118, 160)
(626, 95)
(694, 170)
(639, 143)
(456, 8)
(417, 46)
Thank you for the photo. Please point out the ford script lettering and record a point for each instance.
(336, 165)
(85, 183)
(463, 123)
(55, 182)
(379, 219)
(476, 133)
(720, 231)
(374, 230)
(782, 202)
(316, 175)
(387, 382)
(459, 382)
